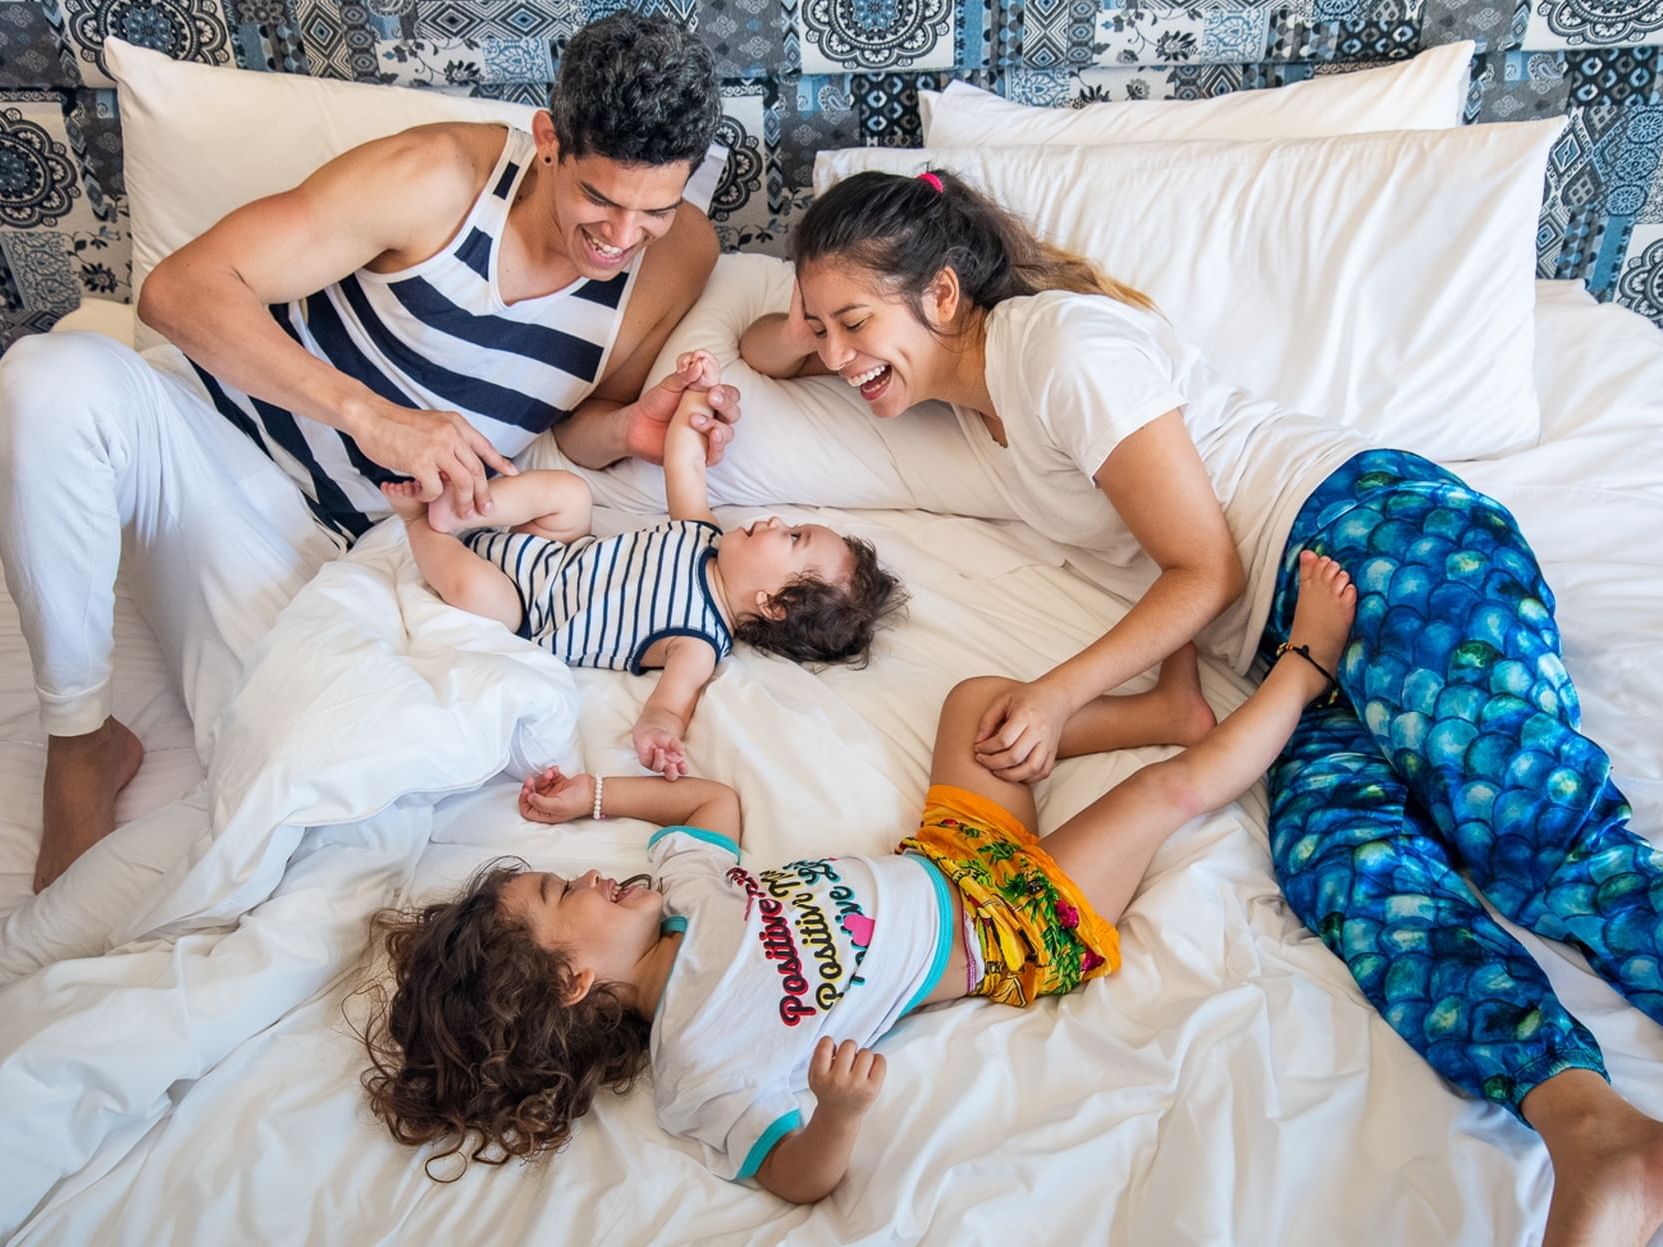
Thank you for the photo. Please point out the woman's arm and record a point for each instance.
(782, 344)
(688, 665)
(1157, 484)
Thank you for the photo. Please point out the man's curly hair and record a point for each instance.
(639, 90)
(476, 1051)
(825, 622)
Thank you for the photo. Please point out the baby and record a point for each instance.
(674, 596)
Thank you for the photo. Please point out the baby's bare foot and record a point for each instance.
(1179, 683)
(1327, 603)
(405, 499)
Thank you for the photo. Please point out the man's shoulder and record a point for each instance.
(446, 151)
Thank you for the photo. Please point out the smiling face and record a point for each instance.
(766, 555)
(607, 211)
(603, 926)
(874, 339)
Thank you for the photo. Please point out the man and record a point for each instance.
(422, 306)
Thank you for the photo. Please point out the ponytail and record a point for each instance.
(909, 229)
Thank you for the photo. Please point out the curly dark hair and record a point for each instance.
(476, 1051)
(640, 90)
(828, 623)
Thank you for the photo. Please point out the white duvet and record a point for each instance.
(1230, 1085)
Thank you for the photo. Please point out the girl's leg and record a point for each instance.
(458, 575)
(1365, 870)
(1454, 667)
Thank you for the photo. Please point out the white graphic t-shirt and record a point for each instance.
(769, 962)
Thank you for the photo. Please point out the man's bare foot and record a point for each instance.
(405, 499)
(1607, 1176)
(83, 776)
(1179, 687)
(1322, 617)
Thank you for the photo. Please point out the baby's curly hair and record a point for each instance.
(476, 1051)
(825, 622)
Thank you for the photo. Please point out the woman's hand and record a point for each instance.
(551, 797)
(1019, 733)
(783, 344)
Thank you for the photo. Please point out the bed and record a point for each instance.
(178, 1057)
(1229, 1085)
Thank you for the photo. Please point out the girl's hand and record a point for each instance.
(845, 1077)
(551, 797)
(658, 746)
(1019, 733)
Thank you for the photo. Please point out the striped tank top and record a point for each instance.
(602, 602)
(436, 336)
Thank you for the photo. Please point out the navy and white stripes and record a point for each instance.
(437, 336)
(602, 603)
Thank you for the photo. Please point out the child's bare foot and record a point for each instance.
(1179, 687)
(405, 499)
(1322, 617)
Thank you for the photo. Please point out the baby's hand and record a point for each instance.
(845, 1077)
(550, 797)
(699, 370)
(659, 748)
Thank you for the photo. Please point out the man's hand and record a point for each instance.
(649, 416)
(439, 449)
(550, 797)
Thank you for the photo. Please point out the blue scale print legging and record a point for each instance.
(1455, 748)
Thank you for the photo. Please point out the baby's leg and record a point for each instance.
(546, 501)
(454, 572)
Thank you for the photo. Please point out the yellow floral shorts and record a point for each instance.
(1039, 935)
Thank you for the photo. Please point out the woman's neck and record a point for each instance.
(962, 379)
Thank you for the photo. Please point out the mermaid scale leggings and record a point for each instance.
(1455, 749)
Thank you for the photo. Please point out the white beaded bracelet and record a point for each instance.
(600, 787)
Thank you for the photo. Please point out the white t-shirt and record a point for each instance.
(1072, 375)
(771, 961)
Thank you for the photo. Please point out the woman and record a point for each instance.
(1455, 743)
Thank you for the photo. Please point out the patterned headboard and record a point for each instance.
(801, 75)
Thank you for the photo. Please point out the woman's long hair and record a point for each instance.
(906, 231)
(477, 1051)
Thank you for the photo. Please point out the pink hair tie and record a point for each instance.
(932, 180)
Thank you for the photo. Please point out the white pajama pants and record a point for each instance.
(112, 459)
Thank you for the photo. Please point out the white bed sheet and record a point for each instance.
(1229, 1086)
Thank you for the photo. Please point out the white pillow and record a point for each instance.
(1426, 93)
(1383, 280)
(810, 440)
(199, 141)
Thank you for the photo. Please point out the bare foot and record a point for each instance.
(405, 499)
(83, 776)
(1607, 1181)
(1322, 618)
(1179, 687)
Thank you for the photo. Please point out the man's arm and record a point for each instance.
(618, 421)
(211, 296)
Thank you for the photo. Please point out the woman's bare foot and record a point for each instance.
(83, 776)
(1607, 1163)
(1322, 617)
(1179, 687)
(405, 499)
